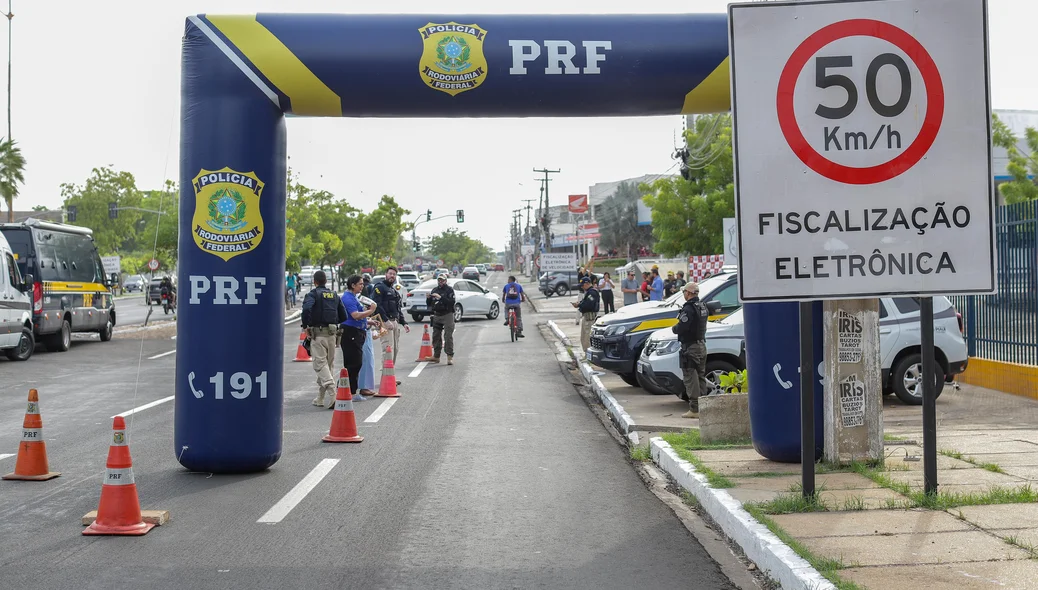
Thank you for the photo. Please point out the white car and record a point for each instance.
(899, 342)
(470, 300)
(16, 336)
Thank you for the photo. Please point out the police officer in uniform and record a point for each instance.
(322, 313)
(691, 331)
(391, 309)
(441, 301)
(588, 308)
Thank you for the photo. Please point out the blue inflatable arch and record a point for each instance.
(242, 74)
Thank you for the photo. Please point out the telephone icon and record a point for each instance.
(191, 383)
(785, 384)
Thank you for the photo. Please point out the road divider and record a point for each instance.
(145, 407)
(381, 410)
(158, 356)
(279, 511)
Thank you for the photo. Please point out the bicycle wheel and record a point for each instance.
(511, 325)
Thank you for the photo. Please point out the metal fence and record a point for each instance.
(1004, 327)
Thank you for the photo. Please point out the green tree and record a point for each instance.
(618, 221)
(104, 186)
(12, 173)
(1022, 167)
(455, 247)
(687, 215)
(165, 240)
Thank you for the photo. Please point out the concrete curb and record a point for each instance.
(761, 546)
(620, 417)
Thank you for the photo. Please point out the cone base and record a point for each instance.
(342, 439)
(301, 360)
(43, 477)
(136, 530)
(394, 394)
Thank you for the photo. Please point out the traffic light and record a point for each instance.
(113, 212)
(72, 210)
(428, 214)
(417, 246)
(461, 216)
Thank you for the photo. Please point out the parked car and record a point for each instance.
(134, 284)
(16, 338)
(499, 267)
(471, 273)
(70, 290)
(408, 279)
(617, 338)
(559, 283)
(482, 268)
(471, 300)
(899, 342)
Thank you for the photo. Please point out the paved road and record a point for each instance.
(133, 310)
(488, 474)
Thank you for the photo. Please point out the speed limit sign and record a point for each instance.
(153, 264)
(862, 148)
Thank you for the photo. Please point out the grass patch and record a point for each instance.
(826, 566)
(690, 500)
(767, 474)
(641, 454)
(992, 467)
(794, 503)
(690, 440)
(854, 503)
(1016, 542)
(947, 500)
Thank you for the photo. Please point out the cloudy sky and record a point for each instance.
(98, 83)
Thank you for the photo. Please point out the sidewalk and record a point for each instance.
(868, 526)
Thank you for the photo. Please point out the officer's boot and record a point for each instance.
(435, 358)
(450, 359)
(319, 400)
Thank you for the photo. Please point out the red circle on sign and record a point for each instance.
(865, 28)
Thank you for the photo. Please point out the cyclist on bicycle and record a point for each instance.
(514, 297)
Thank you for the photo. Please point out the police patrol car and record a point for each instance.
(69, 287)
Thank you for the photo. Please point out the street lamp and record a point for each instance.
(9, 15)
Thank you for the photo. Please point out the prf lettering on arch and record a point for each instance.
(224, 290)
(560, 56)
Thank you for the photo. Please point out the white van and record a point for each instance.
(16, 337)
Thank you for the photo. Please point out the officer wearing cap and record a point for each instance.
(322, 313)
(386, 296)
(691, 331)
(588, 308)
(441, 301)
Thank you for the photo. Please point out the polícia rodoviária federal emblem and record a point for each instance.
(452, 57)
(227, 220)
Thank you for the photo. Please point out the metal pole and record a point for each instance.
(807, 400)
(10, 16)
(929, 396)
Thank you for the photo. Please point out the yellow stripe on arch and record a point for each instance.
(309, 95)
(712, 95)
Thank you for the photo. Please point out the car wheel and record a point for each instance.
(908, 379)
(458, 312)
(562, 290)
(106, 332)
(26, 344)
(417, 317)
(630, 379)
(61, 341)
(495, 310)
(714, 370)
(647, 385)
(548, 294)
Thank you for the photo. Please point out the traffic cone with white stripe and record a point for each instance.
(387, 386)
(344, 421)
(31, 464)
(302, 356)
(426, 351)
(119, 512)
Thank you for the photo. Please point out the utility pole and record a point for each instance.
(528, 207)
(546, 222)
(9, 15)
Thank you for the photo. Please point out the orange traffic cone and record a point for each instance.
(302, 356)
(31, 464)
(119, 512)
(344, 422)
(387, 386)
(426, 351)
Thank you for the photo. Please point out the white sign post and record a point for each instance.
(111, 264)
(862, 149)
(558, 262)
(862, 143)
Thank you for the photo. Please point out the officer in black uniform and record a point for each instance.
(386, 296)
(588, 308)
(691, 331)
(323, 311)
(441, 301)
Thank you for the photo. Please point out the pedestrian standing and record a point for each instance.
(366, 381)
(629, 287)
(391, 309)
(656, 289)
(691, 331)
(588, 308)
(441, 301)
(646, 284)
(605, 288)
(354, 332)
(322, 314)
(366, 290)
(290, 281)
(680, 281)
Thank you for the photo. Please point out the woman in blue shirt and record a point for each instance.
(354, 332)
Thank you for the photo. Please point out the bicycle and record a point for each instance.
(512, 324)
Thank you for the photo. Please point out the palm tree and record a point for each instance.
(12, 167)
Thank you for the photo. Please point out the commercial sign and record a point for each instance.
(578, 203)
(558, 262)
(862, 148)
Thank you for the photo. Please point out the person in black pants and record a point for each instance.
(354, 332)
(605, 288)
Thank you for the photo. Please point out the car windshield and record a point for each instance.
(711, 284)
